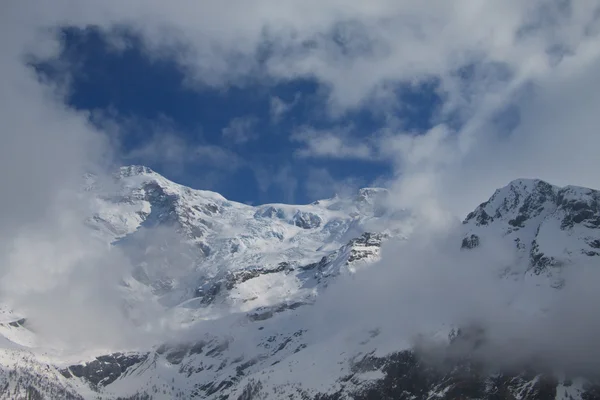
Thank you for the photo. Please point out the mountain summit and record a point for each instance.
(549, 226)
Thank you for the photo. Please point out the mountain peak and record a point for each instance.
(370, 194)
(527, 183)
(372, 191)
(550, 226)
(134, 170)
(530, 185)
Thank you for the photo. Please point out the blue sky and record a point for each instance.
(293, 101)
(253, 126)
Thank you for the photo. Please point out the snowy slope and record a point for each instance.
(244, 284)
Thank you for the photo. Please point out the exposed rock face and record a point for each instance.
(262, 313)
(269, 212)
(470, 242)
(307, 220)
(366, 247)
(104, 369)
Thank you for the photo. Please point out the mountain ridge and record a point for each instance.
(254, 275)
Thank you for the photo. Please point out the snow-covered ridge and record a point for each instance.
(211, 239)
(253, 275)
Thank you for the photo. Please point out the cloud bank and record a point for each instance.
(427, 286)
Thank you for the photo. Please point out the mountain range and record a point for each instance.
(266, 302)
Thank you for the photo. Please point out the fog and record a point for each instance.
(427, 286)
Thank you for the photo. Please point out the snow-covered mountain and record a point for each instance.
(245, 285)
(196, 249)
(549, 227)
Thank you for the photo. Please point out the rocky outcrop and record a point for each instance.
(366, 247)
(470, 242)
(104, 369)
(306, 220)
(262, 313)
(208, 290)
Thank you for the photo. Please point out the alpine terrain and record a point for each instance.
(243, 302)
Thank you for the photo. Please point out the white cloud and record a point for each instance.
(203, 166)
(330, 144)
(282, 178)
(48, 267)
(553, 141)
(354, 47)
(176, 154)
(278, 107)
(241, 130)
(434, 286)
(321, 185)
(158, 143)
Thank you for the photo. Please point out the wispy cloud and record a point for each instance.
(203, 166)
(47, 263)
(241, 130)
(320, 184)
(279, 107)
(335, 143)
(174, 152)
(158, 143)
(281, 178)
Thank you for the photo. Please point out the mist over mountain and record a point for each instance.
(341, 298)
